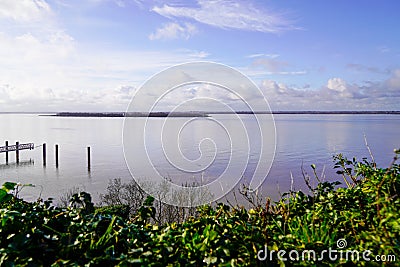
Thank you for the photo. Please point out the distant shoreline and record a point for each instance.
(200, 113)
(131, 114)
(206, 114)
(310, 112)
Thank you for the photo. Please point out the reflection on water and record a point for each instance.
(24, 163)
(301, 139)
(214, 152)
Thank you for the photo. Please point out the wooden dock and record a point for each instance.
(16, 147)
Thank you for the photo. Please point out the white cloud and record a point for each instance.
(174, 30)
(336, 95)
(362, 68)
(45, 69)
(263, 55)
(270, 64)
(52, 72)
(119, 3)
(260, 74)
(337, 84)
(394, 81)
(265, 64)
(200, 54)
(197, 97)
(24, 10)
(228, 14)
(29, 59)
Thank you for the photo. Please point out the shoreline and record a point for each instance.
(207, 114)
(198, 113)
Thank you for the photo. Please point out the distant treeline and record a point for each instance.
(206, 114)
(307, 112)
(131, 114)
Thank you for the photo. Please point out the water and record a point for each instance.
(302, 140)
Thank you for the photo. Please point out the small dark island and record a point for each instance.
(131, 114)
(208, 113)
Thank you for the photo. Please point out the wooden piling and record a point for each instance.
(56, 156)
(88, 158)
(7, 152)
(44, 154)
(17, 152)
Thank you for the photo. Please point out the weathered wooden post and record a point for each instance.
(56, 156)
(44, 154)
(88, 158)
(17, 152)
(7, 152)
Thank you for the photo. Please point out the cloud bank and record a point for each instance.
(337, 94)
(44, 68)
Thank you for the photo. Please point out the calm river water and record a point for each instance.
(301, 140)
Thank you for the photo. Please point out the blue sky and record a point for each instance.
(91, 55)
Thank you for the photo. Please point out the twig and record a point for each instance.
(306, 177)
(395, 158)
(291, 183)
(369, 151)
(323, 176)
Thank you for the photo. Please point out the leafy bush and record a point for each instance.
(365, 214)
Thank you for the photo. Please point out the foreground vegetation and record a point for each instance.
(364, 214)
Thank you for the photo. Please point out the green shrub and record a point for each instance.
(365, 214)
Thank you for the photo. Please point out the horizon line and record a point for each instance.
(289, 112)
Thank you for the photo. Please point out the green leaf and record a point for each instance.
(210, 260)
(3, 193)
(149, 201)
(9, 186)
(4, 197)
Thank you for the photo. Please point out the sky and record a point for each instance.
(93, 55)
